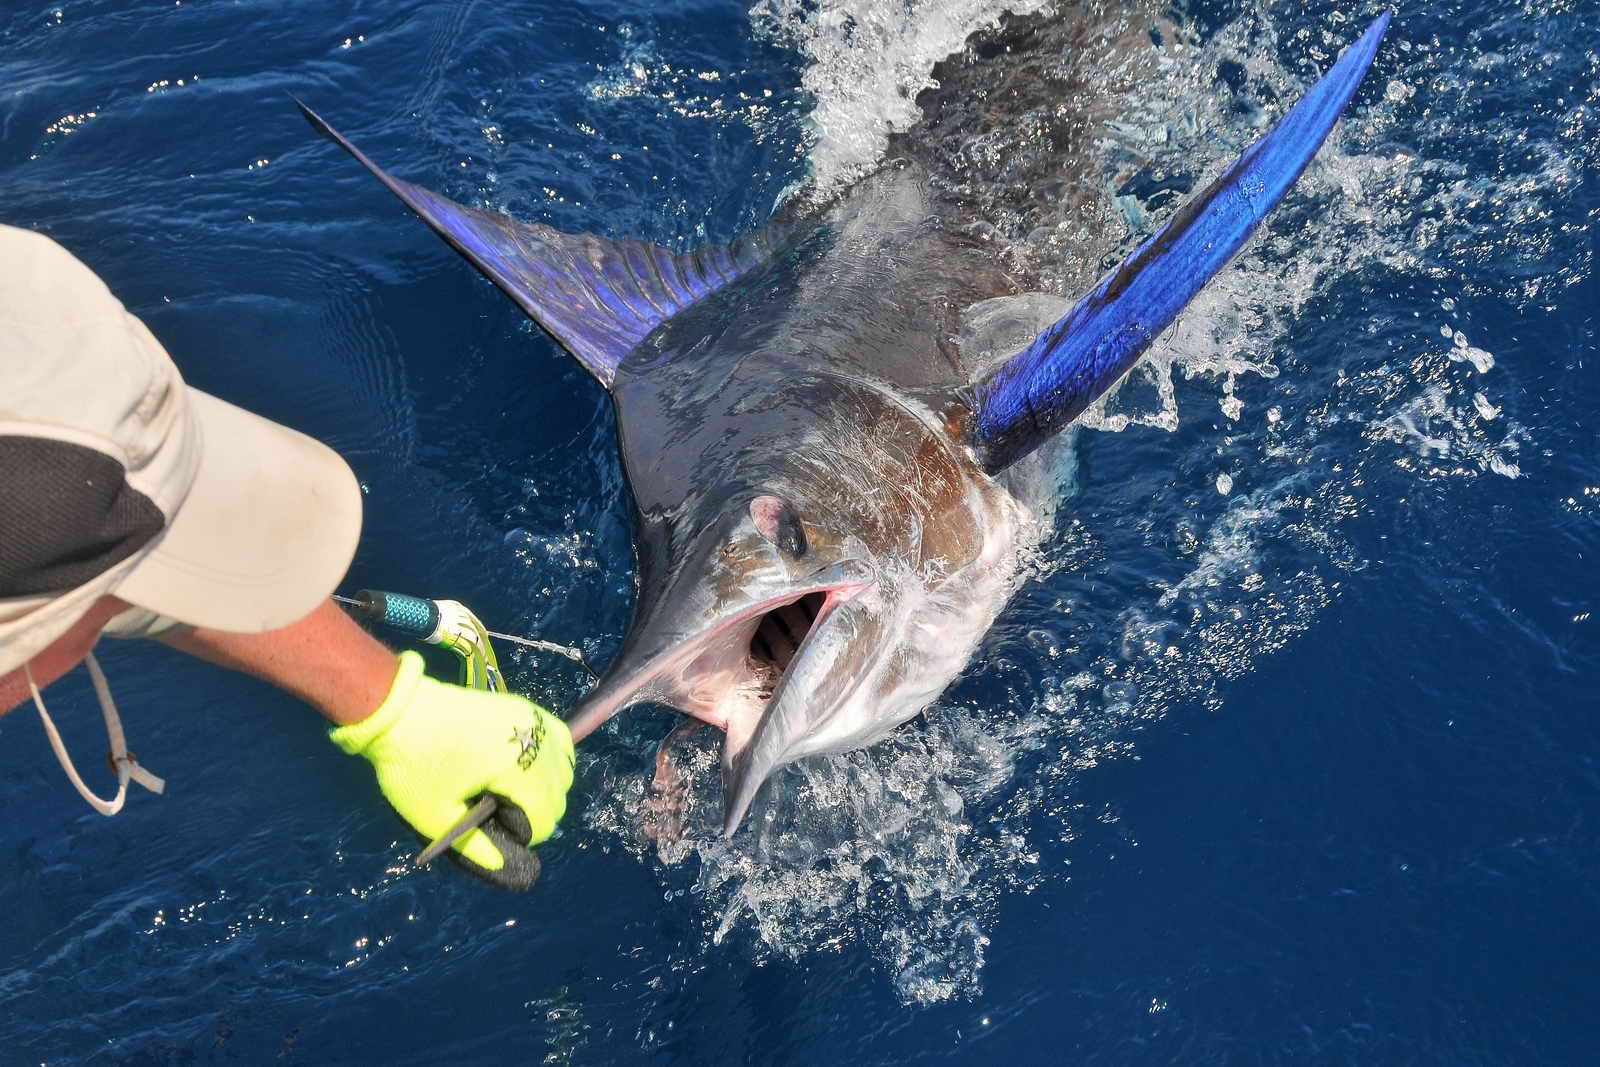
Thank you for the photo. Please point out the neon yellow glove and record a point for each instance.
(437, 747)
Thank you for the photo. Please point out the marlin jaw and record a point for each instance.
(734, 672)
(726, 672)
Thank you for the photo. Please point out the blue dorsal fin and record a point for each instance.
(599, 298)
(1047, 385)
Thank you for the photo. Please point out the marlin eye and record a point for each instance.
(776, 521)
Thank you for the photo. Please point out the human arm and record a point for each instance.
(435, 747)
(326, 659)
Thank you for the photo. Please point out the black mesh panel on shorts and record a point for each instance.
(67, 514)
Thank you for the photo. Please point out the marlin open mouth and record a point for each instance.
(729, 673)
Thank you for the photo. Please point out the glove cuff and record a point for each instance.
(355, 738)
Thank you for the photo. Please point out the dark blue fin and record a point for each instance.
(599, 298)
(1042, 389)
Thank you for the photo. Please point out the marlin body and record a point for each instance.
(839, 431)
(818, 555)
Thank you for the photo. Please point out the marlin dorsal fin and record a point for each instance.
(598, 297)
(1050, 383)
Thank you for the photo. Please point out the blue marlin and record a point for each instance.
(830, 491)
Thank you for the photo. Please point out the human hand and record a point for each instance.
(437, 747)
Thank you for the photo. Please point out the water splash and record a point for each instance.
(866, 61)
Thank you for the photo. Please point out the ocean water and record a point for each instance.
(1288, 752)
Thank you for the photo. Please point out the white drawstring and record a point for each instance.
(124, 764)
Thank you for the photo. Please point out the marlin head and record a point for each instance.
(817, 606)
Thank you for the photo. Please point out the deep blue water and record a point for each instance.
(1291, 754)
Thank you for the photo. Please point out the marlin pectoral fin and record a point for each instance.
(1046, 386)
(598, 297)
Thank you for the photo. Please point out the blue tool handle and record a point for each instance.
(408, 614)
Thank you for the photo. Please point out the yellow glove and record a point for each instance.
(438, 747)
